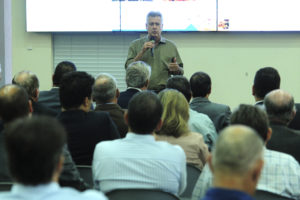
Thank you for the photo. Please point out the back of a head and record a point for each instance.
(13, 103)
(104, 88)
(34, 147)
(138, 74)
(279, 106)
(144, 112)
(181, 84)
(253, 117)
(175, 113)
(237, 149)
(28, 81)
(266, 79)
(74, 88)
(200, 84)
(61, 69)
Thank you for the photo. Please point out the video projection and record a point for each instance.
(178, 15)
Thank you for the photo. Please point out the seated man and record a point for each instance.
(138, 161)
(50, 98)
(105, 94)
(201, 89)
(236, 163)
(198, 122)
(137, 79)
(35, 159)
(14, 104)
(282, 166)
(281, 110)
(30, 83)
(85, 129)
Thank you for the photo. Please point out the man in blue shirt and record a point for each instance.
(236, 163)
(35, 159)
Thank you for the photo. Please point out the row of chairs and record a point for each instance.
(146, 194)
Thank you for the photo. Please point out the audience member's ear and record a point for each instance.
(36, 94)
(126, 117)
(269, 134)
(117, 93)
(253, 90)
(147, 83)
(158, 126)
(209, 161)
(58, 168)
(257, 170)
(293, 114)
(30, 106)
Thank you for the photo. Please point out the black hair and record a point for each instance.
(144, 112)
(34, 146)
(200, 84)
(74, 88)
(181, 84)
(61, 69)
(266, 79)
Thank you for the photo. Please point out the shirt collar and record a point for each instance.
(148, 137)
(20, 188)
(135, 88)
(162, 39)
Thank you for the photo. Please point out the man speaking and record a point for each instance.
(161, 54)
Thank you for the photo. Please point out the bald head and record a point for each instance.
(279, 106)
(13, 103)
(104, 89)
(237, 149)
(28, 81)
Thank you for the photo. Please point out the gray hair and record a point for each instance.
(279, 105)
(28, 81)
(137, 74)
(104, 88)
(154, 14)
(237, 149)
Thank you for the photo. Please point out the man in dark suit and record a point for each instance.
(280, 109)
(30, 83)
(14, 104)
(201, 89)
(105, 94)
(51, 98)
(85, 129)
(266, 79)
(137, 79)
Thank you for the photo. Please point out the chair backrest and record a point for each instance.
(5, 186)
(264, 195)
(86, 173)
(193, 174)
(140, 194)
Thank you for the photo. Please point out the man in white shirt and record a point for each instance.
(35, 159)
(138, 161)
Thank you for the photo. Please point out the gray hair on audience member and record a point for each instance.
(279, 105)
(137, 74)
(104, 88)
(237, 150)
(28, 81)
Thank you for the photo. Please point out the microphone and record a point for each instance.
(152, 39)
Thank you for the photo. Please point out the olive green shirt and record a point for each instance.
(163, 54)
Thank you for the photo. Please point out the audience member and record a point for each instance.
(175, 128)
(85, 129)
(51, 98)
(137, 79)
(105, 94)
(280, 109)
(279, 167)
(30, 83)
(266, 79)
(295, 123)
(14, 104)
(236, 163)
(138, 161)
(201, 89)
(35, 159)
(198, 122)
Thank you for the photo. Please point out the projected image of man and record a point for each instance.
(161, 54)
